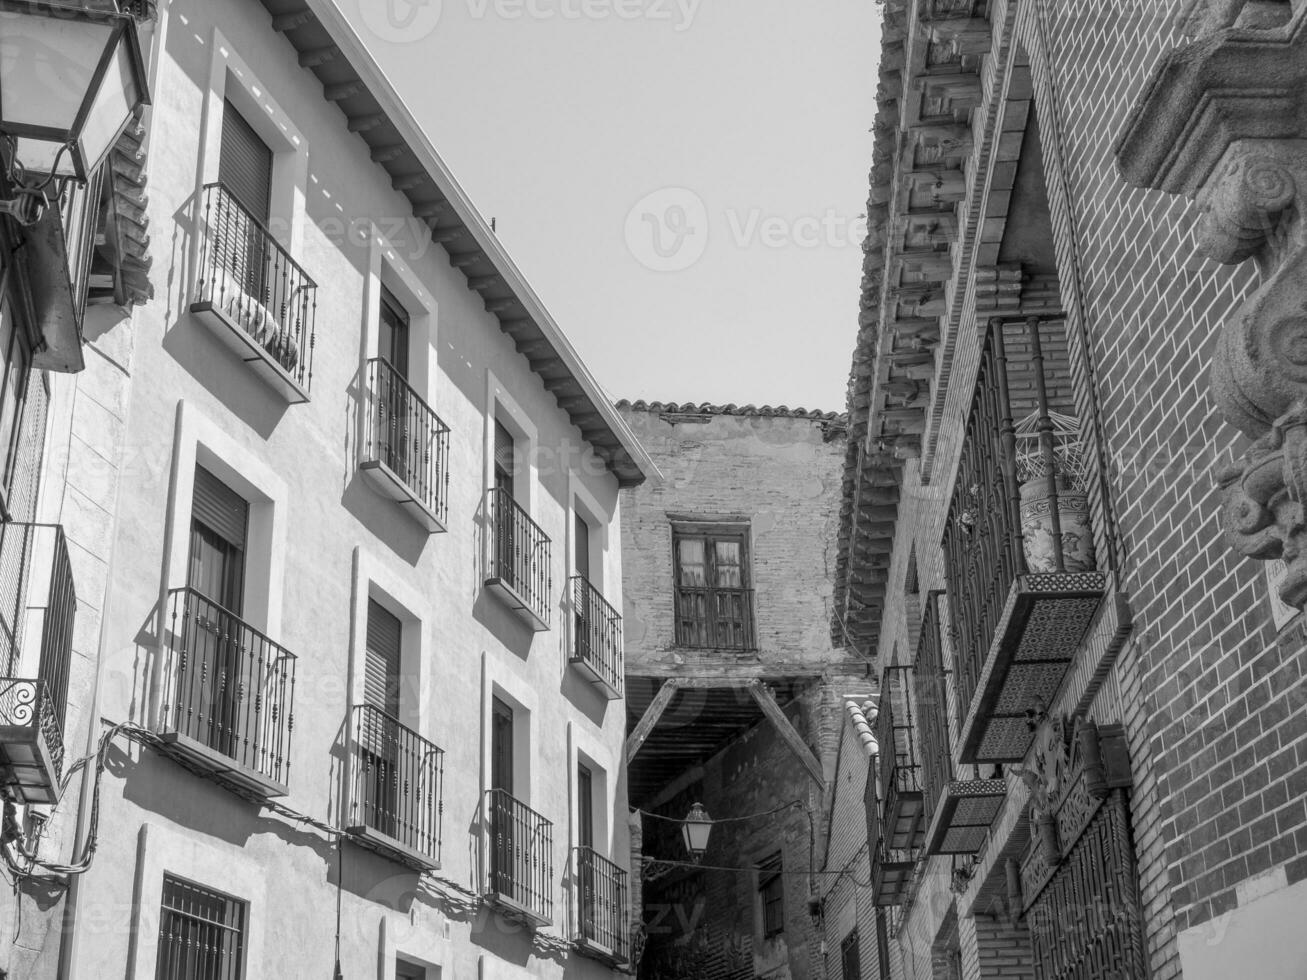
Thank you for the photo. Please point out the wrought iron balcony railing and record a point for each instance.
(957, 812)
(255, 297)
(597, 641)
(1018, 544)
(900, 767)
(33, 709)
(405, 446)
(601, 901)
(519, 566)
(395, 801)
(520, 859)
(229, 695)
(715, 618)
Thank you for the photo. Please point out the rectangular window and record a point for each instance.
(381, 770)
(771, 893)
(201, 933)
(409, 971)
(219, 526)
(585, 832)
(850, 957)
(501, 747)
(245, 164)
(714, 603)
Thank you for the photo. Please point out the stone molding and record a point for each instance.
(1223, 121)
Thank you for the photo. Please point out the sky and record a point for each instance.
(683, 182)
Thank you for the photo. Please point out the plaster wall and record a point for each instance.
(331, 542)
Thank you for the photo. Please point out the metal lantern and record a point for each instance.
(70, 81)
(695, 829)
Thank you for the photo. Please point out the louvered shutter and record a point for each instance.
(245, 164)
(220, 508)
(381, 669)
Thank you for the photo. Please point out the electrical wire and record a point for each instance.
(456, 897)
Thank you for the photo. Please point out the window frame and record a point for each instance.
(231, 903)
(712, 532)
(771, 894)
(851, 944)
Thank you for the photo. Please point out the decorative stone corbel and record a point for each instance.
(1224, 122)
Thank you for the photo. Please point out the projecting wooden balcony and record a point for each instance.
(253, 297)
(1023, 582)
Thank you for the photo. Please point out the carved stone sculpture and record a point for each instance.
(1224, 122)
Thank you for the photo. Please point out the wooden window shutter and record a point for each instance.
(381, 669)
(245, 164)
(220, 508)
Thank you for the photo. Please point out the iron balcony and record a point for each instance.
(1023, 583)
(597, 638)
(229, 697)
(253, 296)
(405, 449)
(34, 563)
(519, 571)
(600, 897)
(520, 859)
(396, 783)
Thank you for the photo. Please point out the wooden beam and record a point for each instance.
(499, 304)
(339, 91)
(722, 672)
(318, 56)
(384, 154)
(406, 182)
(361, 124)
(481, 283)
(767, 702)
(443, 236)
(430, 209)
(645, 726)
(282, 23)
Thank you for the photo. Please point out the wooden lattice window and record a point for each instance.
(714, 598)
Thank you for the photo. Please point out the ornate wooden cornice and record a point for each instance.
(1224, 122)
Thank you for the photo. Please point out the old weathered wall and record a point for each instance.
(782, 474)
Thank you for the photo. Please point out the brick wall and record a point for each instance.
(783, 474)
(848, 902)
(1213, 698)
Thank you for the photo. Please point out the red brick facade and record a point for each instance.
(1210, 695)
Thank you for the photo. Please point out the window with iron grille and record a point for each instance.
(851, 957)
(201, 933)
(714, 601)
(771, 893)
